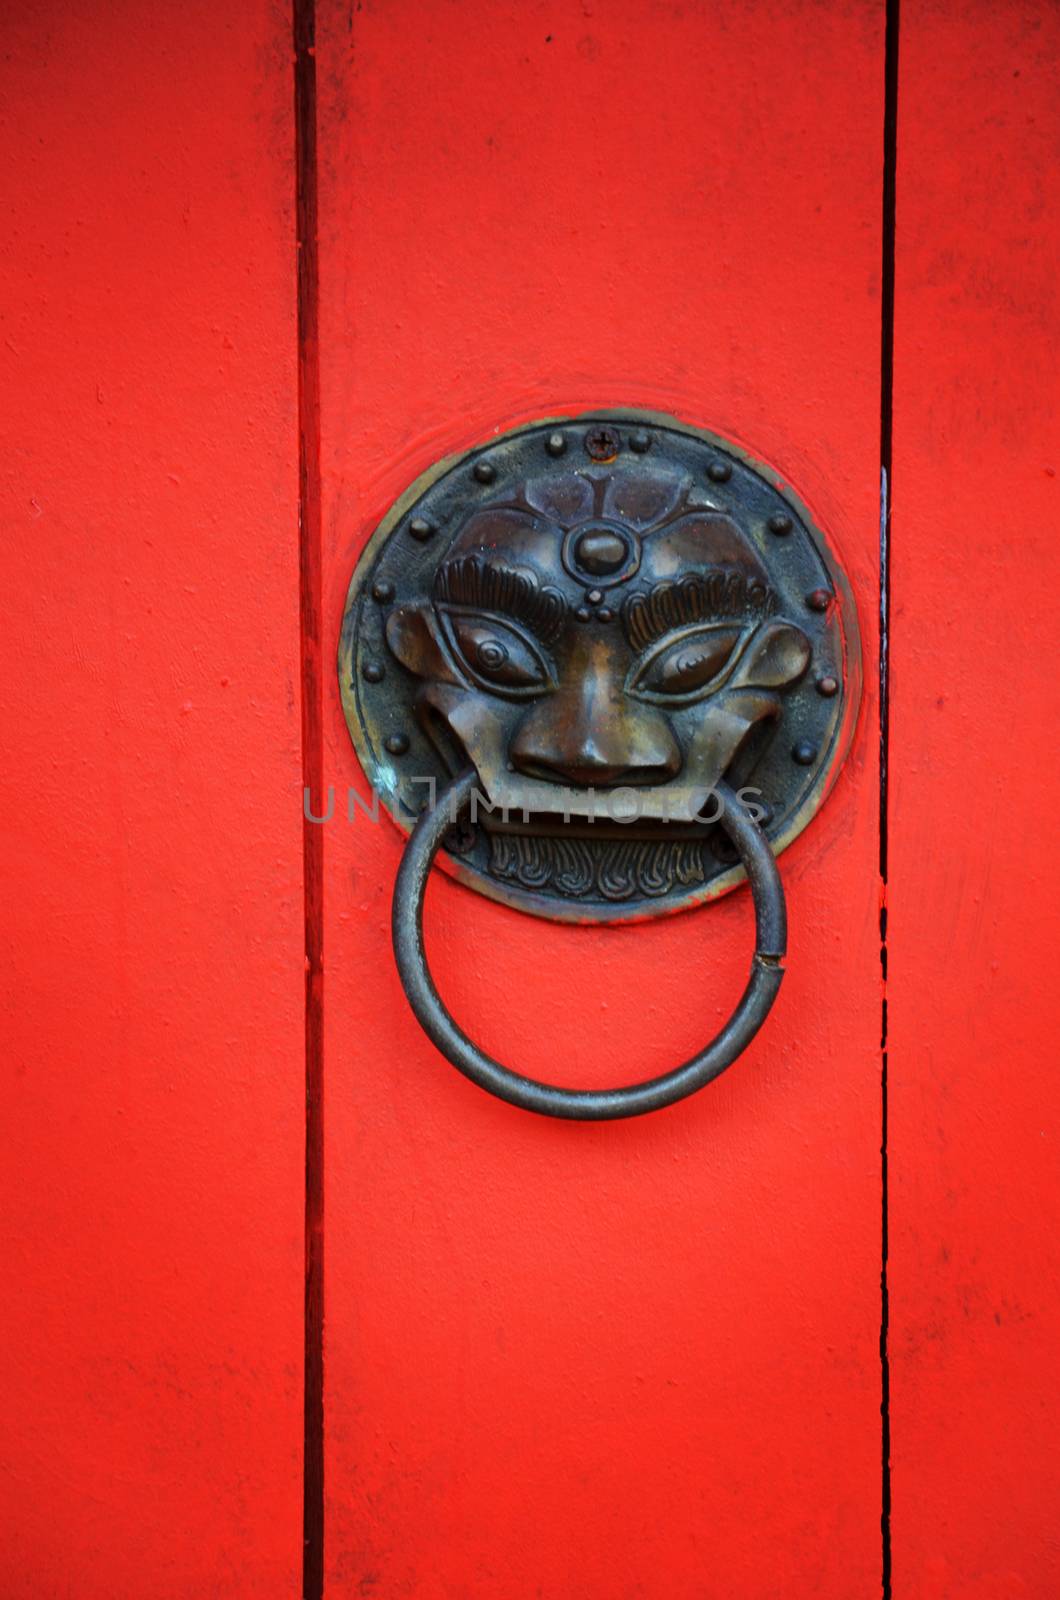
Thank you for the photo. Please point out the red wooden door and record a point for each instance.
(293, 1307)
(637, 1359)
(974, 1196)
(153, 948)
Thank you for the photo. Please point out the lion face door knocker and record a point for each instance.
(608, 665)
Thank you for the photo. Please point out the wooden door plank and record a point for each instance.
(153, 939)
(635, 1359)
(973, 921)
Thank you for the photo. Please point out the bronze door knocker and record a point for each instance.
(609, 666)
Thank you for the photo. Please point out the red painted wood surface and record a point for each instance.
(975, 1199)
(638, 1359)
(152, 948)
(628, 1360)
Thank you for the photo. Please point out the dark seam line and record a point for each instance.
(887, 292)
(312, 756)
(310, 568)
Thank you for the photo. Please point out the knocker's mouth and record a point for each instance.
(592, 862)
(614, 841)
(608, 778)
(604, 858)
(551, 825)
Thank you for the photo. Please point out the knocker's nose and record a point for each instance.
(562, 741)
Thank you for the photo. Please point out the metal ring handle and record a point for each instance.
(587, 1105)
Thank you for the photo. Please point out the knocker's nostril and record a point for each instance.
(595, 774)
(563, 744)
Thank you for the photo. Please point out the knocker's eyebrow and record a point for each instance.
(511, 591)
(699, 597)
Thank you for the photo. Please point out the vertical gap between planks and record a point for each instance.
(887, 282)
(310, 563)
(304, 23)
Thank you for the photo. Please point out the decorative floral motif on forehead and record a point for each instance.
(565, 499)
(643, 500)
(646, 501)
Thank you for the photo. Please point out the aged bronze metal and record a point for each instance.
(606, 617)
(552, 1100)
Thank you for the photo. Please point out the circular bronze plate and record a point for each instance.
(605, 615)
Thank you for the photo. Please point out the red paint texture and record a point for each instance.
(638, 1359)
(975, 1263)
(152, 948)
(597, 1361)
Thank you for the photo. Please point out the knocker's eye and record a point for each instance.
(684, 666)
(495, 654)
